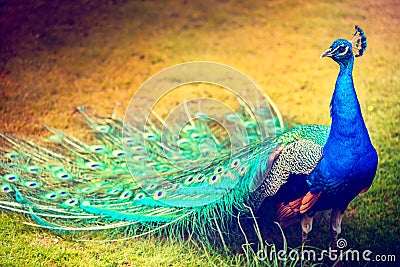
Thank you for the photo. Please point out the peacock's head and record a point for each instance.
(343, 50)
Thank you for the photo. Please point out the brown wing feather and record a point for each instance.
(287, 214)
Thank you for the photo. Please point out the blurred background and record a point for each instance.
(57, 55)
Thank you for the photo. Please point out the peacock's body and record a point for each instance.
(74, 186)
(346, 164)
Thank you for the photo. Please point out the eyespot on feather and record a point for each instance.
(5, 188)
(189, 180)
(32, 184)
(103, 128)
(97, 149)
(33, 169)
(215, 178)
(139, 196)
(219, 169)
(10, 177)
(159, 194)
(69, 203)
(200, 178)
(125, 195)
(235, 164)
(11, 155)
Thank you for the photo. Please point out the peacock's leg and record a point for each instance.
(306, 226)
(336, 222)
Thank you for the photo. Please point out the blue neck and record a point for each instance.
(348, 127)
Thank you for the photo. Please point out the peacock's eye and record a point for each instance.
(341, 49)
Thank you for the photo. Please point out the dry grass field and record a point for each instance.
(57, 55)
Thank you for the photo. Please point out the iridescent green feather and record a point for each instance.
(74, 186)
(177, 188)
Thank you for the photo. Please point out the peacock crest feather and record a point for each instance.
(359, 42)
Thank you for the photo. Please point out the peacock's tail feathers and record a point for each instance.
(73, 186)
(146, 181)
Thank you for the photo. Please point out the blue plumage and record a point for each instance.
(349, 160)
(349, 156)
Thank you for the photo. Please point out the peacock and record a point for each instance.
(330, 172)
(130, 181)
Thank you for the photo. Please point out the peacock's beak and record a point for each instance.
(327, 53)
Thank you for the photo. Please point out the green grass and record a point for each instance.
(55, 57)
(24, 246)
